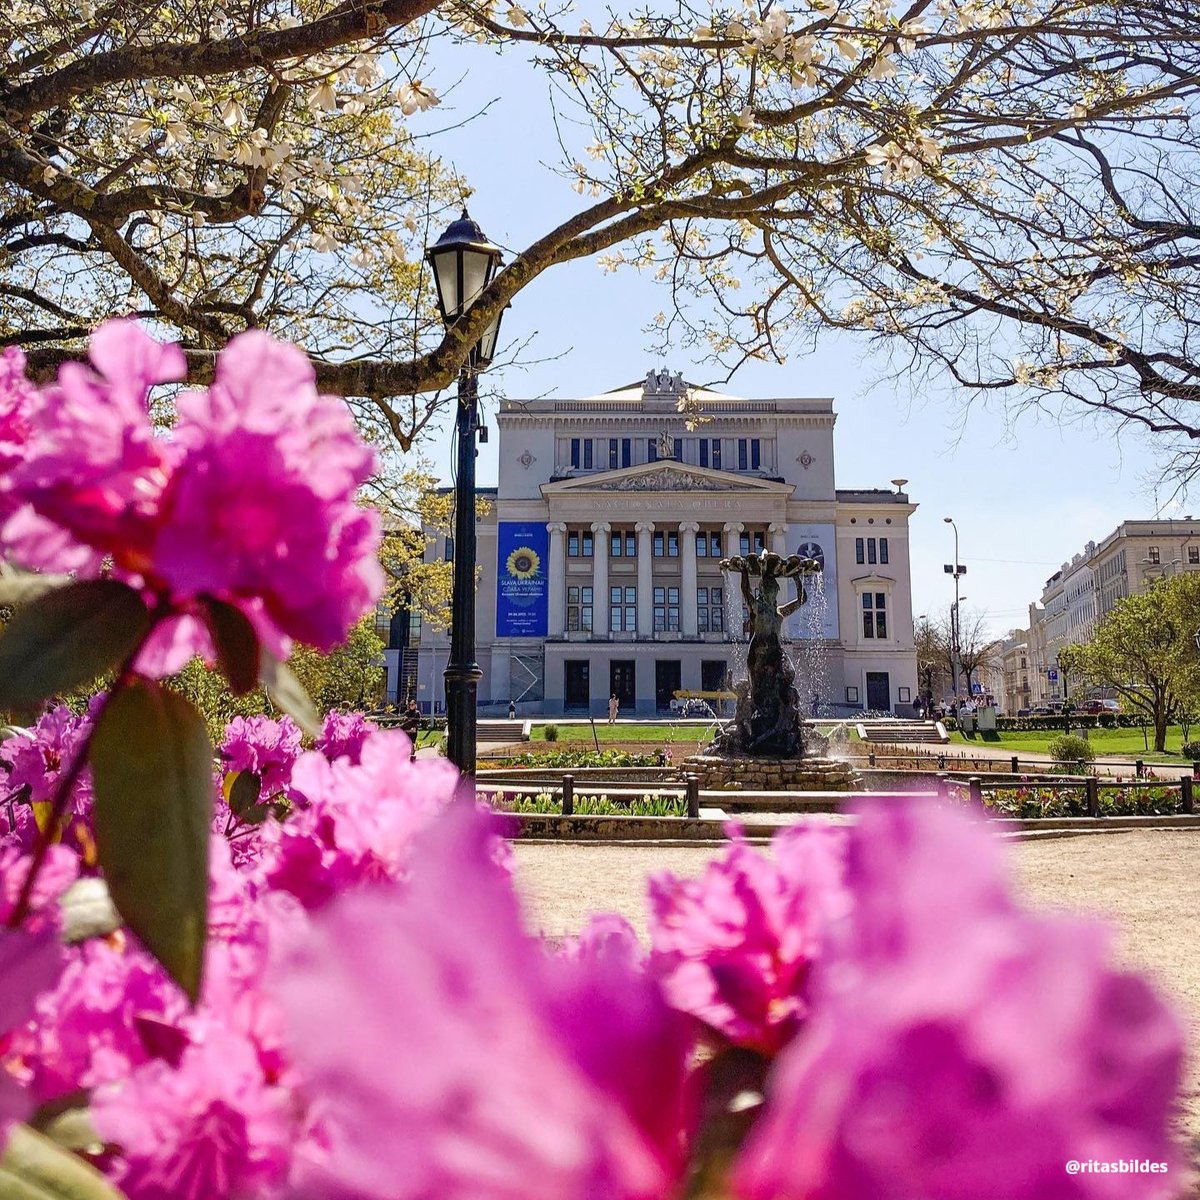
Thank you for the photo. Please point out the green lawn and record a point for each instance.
(1105, 741)
(657, 733)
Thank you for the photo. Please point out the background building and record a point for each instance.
(599, 557)
(1126, 563)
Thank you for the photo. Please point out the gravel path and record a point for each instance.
(1147, 882)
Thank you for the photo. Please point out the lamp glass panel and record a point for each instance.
(476, 268)
(445, 273)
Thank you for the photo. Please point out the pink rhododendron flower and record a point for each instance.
(92, 465)
(480, 1067)
(735, 947)
(36, 759)
(29, 963)
(17, 396)
(357, 822)
(343, 735)
(209, 1129)
(959, 1047)
(262, 504)
(252, 501)
(266, 747)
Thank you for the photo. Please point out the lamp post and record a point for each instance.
(958, 571)
(464, 262)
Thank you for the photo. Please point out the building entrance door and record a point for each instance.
(712, 675)
(621, 683)
(879, 693)
(576, 693)
(667, 678)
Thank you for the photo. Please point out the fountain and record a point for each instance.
(763, 746)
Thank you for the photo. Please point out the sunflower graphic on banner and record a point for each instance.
(522, 586)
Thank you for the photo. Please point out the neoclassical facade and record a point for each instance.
(600, 556)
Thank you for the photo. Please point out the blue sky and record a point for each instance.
(1026, 495)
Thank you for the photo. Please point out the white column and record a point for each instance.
(687, 587)
(645, 583)
(556, 573)
(731, 581)
(779, 539)
(600, 532)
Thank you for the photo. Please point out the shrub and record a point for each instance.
(1190, 749)
(1069, 750)
(550, 733)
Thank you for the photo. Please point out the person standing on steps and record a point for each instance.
(614, 706)
(512, 710)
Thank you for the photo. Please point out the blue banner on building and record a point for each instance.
(522, 585)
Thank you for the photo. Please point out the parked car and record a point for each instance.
(1024, 712)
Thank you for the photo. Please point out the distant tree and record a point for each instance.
(976, 650)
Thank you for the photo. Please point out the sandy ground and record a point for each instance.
(1147, 882)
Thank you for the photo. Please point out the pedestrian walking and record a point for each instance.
(614, 706)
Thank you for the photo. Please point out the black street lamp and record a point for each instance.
(464, 262)
(958, 571)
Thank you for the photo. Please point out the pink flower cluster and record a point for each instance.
(266, 747)
(34, 760)
(376, 1024)
(251, 501)
(735, 948)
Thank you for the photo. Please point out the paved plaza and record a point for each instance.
(1145, 882)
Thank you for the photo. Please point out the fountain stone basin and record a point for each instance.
(723, 772)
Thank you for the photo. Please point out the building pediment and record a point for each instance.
(664, 476)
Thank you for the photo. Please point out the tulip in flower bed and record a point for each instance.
(314, 981)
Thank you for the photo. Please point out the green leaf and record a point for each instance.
(152, 775)
(22, 587)
(34, 1168)
(288, 692)
(67, 638)
(238, 649)
(244, 792)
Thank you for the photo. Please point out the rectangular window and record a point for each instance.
(870, 550)
(716, 454)
(573, 544)
(659, 543)
(626, 452)
(1193, 555)
(743, 544)
(701, 597)
(630, 544)
(449, 549)
(702, 545)
(755, 454)
(614, 544)
(860, 555)
(651, 450)
(679, 449)
(672, 543)
(579, 609)
(742, 456)
(575, 452)
(612, 454)
(874, 617)
(883, 551)
(702, 620)
(587, 454)
(586, 543)
(714, 545)
(704, 452)
(1153, 552)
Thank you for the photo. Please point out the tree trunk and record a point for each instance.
(1160, 728)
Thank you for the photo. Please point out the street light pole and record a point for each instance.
(464, 263)
(463, 674)
(955, 645)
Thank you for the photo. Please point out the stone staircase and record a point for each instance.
(896, 731)
(502, 732)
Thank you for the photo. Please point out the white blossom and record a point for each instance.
(415, 97)
(323, 97)
(517, 17)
